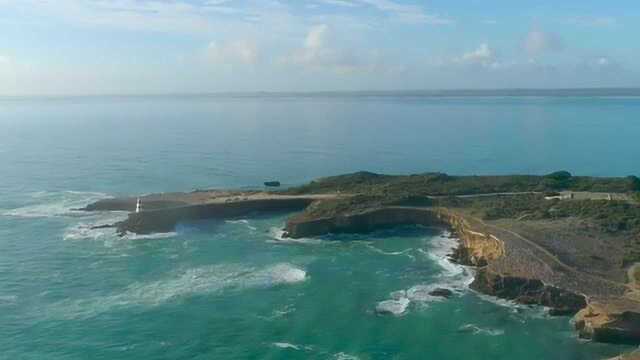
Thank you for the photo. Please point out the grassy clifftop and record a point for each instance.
(443, 184)
(619, 216)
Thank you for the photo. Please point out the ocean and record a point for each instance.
(235, 289)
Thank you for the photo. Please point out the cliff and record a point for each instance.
(165, 219)
(477, 247)
(613, 321)
(569, 254)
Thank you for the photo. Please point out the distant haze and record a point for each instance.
(210, 46)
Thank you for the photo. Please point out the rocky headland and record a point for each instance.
(564, 242)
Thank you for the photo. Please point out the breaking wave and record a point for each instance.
(8, 300)
(192, 282)
(132, 236)
(390, 253)
(345, 356)
(286, 345)
(394, 306)
(474, 329)
(453, 277)
(277, 237)
(88, 231)
(58, 203)
(244, 222)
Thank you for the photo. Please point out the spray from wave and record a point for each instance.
(192, 282)
(452, 277)
(244, 222)
(477, 330)
(59, 203)
(277, 237)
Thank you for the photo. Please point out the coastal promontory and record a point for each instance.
(569, 243)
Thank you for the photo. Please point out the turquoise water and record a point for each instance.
(234, 289)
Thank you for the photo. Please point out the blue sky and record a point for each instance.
(176, 46)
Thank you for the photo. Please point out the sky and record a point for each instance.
(62, 47)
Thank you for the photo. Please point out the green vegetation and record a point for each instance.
(610, 216)
(635, 183)
(443, 184)
(357, 203)
(371, 191)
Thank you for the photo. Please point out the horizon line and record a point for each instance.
(480, 92)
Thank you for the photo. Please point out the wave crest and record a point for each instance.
(191, 282)
(57, 203)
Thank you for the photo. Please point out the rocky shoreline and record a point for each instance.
(511, 263)
(475, 249)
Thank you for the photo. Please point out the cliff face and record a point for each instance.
(302, 226)
(615, 321)
(165, 220)
(528, 291)
(478, 247)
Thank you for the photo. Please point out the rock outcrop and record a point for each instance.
(611, 320)
(165, 220)
(477, 247)
(509, 266)
(528, 291)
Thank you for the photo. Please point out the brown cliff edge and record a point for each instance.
(566, 263)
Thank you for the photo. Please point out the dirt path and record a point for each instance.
(553, 258)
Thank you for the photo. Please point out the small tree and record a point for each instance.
(634, 183)
(559, 175)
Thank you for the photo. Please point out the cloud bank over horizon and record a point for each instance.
(172, 46)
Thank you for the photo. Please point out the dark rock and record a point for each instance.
(445, 293)
(528, 291)
(561, 311)
(272, 183)
(106, 226)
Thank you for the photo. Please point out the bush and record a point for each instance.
(560, 175)
(634, 183)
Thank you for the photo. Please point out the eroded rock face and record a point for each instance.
(610, 322)
(630, 356)
(301, 226)
(165, 219)
(476, 248)
(528, 291)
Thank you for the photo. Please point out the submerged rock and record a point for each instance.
(445, 293)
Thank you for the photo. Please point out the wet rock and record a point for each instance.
(441, 292)
(528, 291)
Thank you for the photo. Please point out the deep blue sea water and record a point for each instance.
(235, 290)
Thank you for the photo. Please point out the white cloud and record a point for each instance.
(538, 42)
(234, 52)
(483, 56)
(344, 3)
(182, 16)
(602, 63)
(594, 21)
(409, 13)
(320, 52)
(4, 60)
(405, 13)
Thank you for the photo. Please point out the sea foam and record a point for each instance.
(277, 237)
(58, 203)
(191, 282)
(454, 277)
(474, 329)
